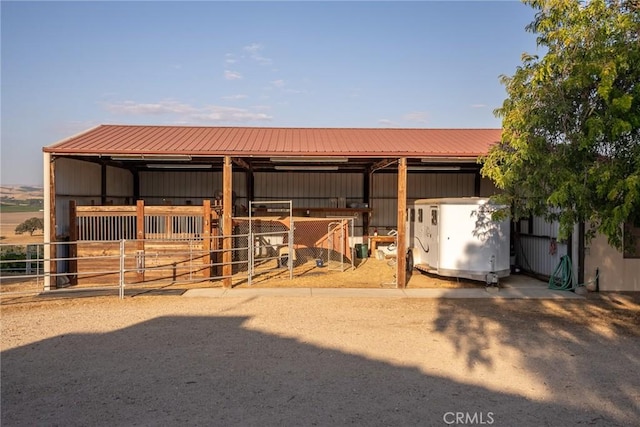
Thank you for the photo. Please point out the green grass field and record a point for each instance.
(18, 208)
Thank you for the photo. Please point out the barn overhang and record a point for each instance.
(140, 149)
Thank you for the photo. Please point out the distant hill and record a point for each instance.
(21, 198)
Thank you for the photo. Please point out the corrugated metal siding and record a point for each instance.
(533, 254)
(535, 250)
(384, 192)
(119, 183)
(75, 180)
(160, 187)
(487, 187)
(311, 190)
(75, 177)
(544, 228)
(308, 189)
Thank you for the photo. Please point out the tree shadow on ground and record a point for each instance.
(589, 348)
(214, 371)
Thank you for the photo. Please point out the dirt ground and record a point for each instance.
(164, 359)
(8, 223)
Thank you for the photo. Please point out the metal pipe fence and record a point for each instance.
(260, 245)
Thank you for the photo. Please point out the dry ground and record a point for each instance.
(170, 360)
(8, 223)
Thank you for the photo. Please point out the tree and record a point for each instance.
(570, 147)
(30, 226)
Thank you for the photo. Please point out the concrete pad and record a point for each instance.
(447, 293)
(357, 292)
(205, 292)
(267, 292)
(536, 294)
(469, 293)
(521, 281)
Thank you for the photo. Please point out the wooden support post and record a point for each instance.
(140, 236)
(53, 252)
(401, 264)
(73, 243)
(206, 237)
(366, 198)
(227, 225)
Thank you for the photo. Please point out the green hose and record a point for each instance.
(562, 277)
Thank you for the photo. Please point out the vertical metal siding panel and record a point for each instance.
(468, 184)
(119, 182)
(75, 177)
(384, 195)
(239, 184)
(259, 183)
(75, 180)
(487, 187)
(534, 254)
(436, 185)
(307, 189)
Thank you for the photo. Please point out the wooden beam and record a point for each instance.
(140, 236)
(240, 162)
(401, 264)
(73, 243)
(366, 198)
(53, 264)
(382, 164)
(227, 225)
(206, 236)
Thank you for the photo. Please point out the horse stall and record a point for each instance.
(145, 243)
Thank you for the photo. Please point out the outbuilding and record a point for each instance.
(369, 174)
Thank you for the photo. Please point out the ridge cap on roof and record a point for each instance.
(284, 127)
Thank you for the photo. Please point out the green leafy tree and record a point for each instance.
(570, 148)
(30, 226)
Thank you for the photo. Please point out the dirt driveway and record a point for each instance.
(170, 360)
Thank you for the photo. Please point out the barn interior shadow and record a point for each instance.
(214, 371)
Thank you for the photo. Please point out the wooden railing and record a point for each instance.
(113, 223)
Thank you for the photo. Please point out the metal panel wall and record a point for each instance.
(487, 187)
(119, 183)
(311, 190)
(538, 249)
(535, 254)
(384, 192)
(163, 187)
(77, 178)
(308, 189)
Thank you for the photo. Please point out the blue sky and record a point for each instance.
(69, 66)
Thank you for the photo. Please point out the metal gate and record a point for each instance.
(270, 237)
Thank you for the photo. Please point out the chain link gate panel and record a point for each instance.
(270, 235)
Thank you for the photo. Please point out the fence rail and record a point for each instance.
(260, 245)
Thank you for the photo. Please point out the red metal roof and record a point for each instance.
(265, 141)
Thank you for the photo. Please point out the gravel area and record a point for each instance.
(168, 360)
